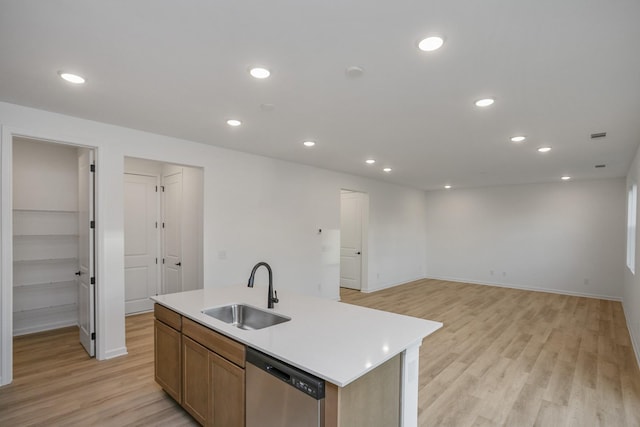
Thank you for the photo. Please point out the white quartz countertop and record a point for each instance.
(335, 341)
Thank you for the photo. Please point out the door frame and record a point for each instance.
(6, 241)
(364, 223)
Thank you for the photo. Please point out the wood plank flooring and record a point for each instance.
(508, 357)
(504, 358)
(57, 384)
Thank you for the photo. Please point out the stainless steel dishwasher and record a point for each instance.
(279, 395)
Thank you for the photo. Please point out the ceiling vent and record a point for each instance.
(600, 166)
(598, 135)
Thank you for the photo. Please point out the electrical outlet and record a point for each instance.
(222, 255)
(586, 282)
(491, 272)
(504, 274)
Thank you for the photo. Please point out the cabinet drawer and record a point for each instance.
(167, 316)
(218, 343)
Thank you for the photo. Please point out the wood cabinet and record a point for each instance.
(209, 369)
(167, 344)
(195, 379)
(227, 397)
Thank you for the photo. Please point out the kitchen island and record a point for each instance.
(361, 353)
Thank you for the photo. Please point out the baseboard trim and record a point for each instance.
(527, 288)
(122, 351)
(634, 342)
(40, 328)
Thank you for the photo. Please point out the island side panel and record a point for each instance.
(372, 400)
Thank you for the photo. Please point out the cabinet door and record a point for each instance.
(168, 359)
(227, 393)
(195, 379)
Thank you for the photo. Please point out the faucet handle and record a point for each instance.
(275, 298)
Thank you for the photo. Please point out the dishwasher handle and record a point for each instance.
(278, 373)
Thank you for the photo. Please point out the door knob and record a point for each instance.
(78, 273)
(358, 253)
(178, 264)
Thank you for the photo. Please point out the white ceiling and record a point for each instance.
(559, 70)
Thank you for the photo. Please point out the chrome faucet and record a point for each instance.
(271, 299)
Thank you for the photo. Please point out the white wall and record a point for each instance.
(565, 237)
(45, 176)
(142, 167)
(631, 289)
(255, 209)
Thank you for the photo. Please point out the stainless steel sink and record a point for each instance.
(245, 316)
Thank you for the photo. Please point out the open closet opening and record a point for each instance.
(53, 239)
(163, 229)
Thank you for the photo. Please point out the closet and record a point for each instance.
(45, 236)
(163, 229)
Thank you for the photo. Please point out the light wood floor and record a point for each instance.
(507, 357)
(504, 358)
(57, 384)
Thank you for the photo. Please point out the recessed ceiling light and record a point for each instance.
(565, 178)
(430, 44)
(387, 170)
(447, 187)
(259, 72)
(370, 161)
(354, 72)
(518, 138)
(72, 78)
(234, 122)
(485, 102)
(544, 149)
(309, 143)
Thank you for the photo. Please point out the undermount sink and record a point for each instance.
(245, 316)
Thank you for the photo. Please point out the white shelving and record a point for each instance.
(45, 251)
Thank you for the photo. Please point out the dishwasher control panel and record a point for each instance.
(301, 380)
(312, 390)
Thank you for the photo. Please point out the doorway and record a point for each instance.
(354, 223)
(53, 239)
(163, 228)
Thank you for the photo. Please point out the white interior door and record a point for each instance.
(351, 207)
(140, 241)
(172, 234)
(86, 249)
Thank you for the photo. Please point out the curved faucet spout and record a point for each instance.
(271, 299)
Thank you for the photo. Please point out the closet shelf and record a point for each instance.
(44, 236)
(44, 211)
(45, 261)
(50, 309)
(35, 285)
